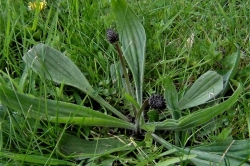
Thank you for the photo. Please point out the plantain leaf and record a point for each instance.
(133, 40)
(231, 63)
(234, 152)
(57, 111)
(74, 147)
(203, 116)
(171, 94)
(199, 117)
(206, 87)
(175, 160)
(171, 97)
(34, 159)
(54, 65)
(93, 121)
(153, 116)
(230, 66)
(131, 100)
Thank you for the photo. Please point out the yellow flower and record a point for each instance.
(41, 5)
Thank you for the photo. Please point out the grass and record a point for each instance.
(78, 29)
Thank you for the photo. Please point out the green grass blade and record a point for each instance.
(57, 111)
(54, 65)
(133, 39)
(206, 87)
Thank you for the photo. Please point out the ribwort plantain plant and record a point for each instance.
(130, 44)
(50, 64)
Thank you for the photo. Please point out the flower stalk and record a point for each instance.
(117, 46)
(139, 115)
(113, 38)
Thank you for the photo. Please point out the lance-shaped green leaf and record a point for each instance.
(93, 121)
(57, 111)
(234, 152)
(199, 117)
(231, 63)
(74, 147)
(133, 40)
(170, 93)
(175, 160)
(131, 100)
(230, 66)
(54, 65)
(171, 97)
(34, 159)
(206, 87)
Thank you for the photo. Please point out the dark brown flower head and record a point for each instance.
(112, 36)
(157, 101)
